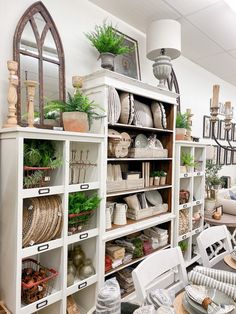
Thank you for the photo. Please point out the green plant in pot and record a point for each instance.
(183, 246)
(79, 112)
(109, 43)
(212, 184)
(187, 162)
(162, 175)
(52, 112)
(156, 177)
(181, 125)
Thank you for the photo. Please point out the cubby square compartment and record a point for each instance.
(197, 217)
(194, 247)
(199, 156)
(53, 308)
(42, 219)
(184, 221)
(83, 210)
(185, 248)
(43, 163)
(83, 300)
(82, 264)
(198, 188)
(42, 276)
(185, 190)
(84, 160)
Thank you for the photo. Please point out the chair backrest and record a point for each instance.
(163, 269)
(213, 244)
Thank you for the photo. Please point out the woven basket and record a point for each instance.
(28, 171)
(184, 224)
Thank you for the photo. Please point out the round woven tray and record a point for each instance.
(230, 261)
(45, 218)
(47, 225)
(59, 214)
(53, 208)
(39, 226)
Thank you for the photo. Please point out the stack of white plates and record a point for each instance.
(142, 114)
(114, 106)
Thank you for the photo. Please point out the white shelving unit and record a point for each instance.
(51, 254)
(96, 87)
(193, 181)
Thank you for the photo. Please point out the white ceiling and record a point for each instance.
(208, 28)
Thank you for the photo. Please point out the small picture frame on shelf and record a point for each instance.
(234, 132)
(221, 156)
(228, 154)
(219, 209)
(216, 130)
(222, 130)
(128, 64)
(206, 127)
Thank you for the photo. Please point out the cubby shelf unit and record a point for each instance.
(192, 180)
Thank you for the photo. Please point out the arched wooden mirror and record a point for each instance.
(39, 52)
(174, 86)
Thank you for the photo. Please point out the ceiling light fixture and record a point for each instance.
(231, 4)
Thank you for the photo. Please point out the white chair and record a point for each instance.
(215, 239)
(163, 269)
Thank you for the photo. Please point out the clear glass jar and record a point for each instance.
(86, 270)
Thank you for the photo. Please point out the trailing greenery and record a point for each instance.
(41, 153)
(187, 160)
(33, 180)
(53, 109)
(106, 39)
(183, 245)
(212, 178)
(182, 121)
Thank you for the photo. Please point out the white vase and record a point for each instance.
(120, 214)
(156, 180)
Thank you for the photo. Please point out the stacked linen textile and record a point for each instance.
(221, 280)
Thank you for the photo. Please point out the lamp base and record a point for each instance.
(162, 68)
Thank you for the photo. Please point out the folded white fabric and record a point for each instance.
(202, 277)
(160, 297)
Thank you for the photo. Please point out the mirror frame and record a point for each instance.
(38, 7)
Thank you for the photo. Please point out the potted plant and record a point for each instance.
(182, 125)
(52, 112)
(183, 246)
(162, 175)
(109, 43)
(78, 112)
(81, 208)
(156, 177)
(187, 161)
(40, 158)
(213, 183)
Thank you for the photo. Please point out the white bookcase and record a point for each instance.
(52, 254)
(187, 228)
(96, 87)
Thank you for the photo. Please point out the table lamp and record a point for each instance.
(163, 43)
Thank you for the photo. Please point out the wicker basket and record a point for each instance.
(37, 288)
(149, 153)
(116, 186)
(79, 222)
(42, 181)
(184, 221)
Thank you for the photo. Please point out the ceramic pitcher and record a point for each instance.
(120, 214)
(109, 214)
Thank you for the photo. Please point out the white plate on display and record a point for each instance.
(141, 141)
(142, 114)
(164, 123)
(154, 197)
(114, 106)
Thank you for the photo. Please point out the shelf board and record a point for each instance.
(134, 159)
(81, 284)
(84, 235)
(42, 247)
(190, 204)
(135, 127)
(184, 236)
(135, 260)
(198, 173)
(128, 295)
(47, 190)
(84, 186)
(134, 226)
(185, 175)
(152, 188)
(41, 304)
(197, 230)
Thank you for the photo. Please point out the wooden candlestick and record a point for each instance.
(30, 86)
(188, 136)
(12, 94)
(77, 82)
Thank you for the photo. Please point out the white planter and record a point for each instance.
(162, 180)
(210, 204)
(156, 180)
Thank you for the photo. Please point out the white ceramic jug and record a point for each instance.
(119, 217)
(109, 214)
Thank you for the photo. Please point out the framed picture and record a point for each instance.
(234, 132)
(233, 158)
(215, 159)
(206, 127)
(216, 130)
(221, 156)
(222, 130)
(128, 63)
(228, 159)
(230, 134)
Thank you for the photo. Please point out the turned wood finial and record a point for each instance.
(77, 81)
(30, 86)
(12, 94)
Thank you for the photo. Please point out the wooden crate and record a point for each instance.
(146, 212)
(116, 186)
(134, 184)
(148, 153)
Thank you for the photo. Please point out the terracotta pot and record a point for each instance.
(75, 121)
(180, 134)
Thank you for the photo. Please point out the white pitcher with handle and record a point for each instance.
(119, 217)
(109, 214)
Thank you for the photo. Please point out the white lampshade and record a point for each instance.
(163, 34)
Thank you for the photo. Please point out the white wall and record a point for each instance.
(75, 17)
